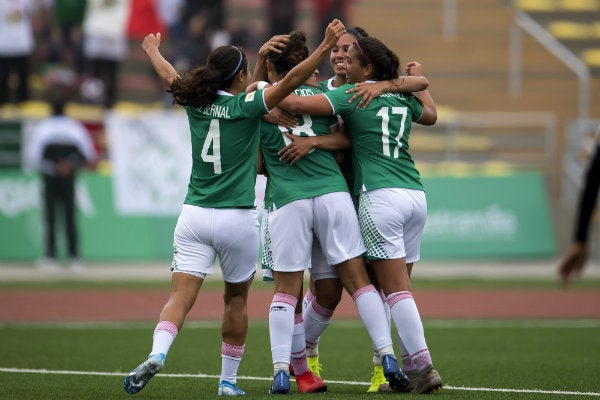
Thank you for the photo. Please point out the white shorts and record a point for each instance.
(319, 268)
(392, 222)
(330, 218)
(201, 234)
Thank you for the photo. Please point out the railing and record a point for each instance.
(523, 22)
(525, 140)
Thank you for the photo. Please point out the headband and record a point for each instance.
(238, 65)
(363, 53)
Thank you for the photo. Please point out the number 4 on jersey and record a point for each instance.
(213, 142)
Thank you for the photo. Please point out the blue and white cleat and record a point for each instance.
(229, 389)
(281, 383)
(397, 379)
(139, 377)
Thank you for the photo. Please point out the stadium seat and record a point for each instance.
(595, 30)
(535, 5)
(579, 5)
(591, 57)
(570, 30)
(557, 5)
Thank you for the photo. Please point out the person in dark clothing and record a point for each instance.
(576, 256)
(60, 146)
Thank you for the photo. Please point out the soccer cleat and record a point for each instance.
(281, 383)
(308, 382)
(378, 381)
(139, 377)
(314, 366)
(396, 378)
(412, 379)
(427, 381)
(229, 389)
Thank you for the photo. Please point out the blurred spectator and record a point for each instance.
(576, 256)
(171, 14)
(143, 19)
(282, 14)
(59, 146)
(215, 11)
(105, 43)
(325, 11)
(67, 37)
(16, 48)
(193, 49)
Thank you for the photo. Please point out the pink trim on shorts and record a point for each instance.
(231, 350)
(298, 318)
(361, 291)
(285, 298)
(393, 298)
(322, 311)
(167, 326)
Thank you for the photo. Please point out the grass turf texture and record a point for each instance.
(490, 359)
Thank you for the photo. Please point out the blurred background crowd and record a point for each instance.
(94, 37)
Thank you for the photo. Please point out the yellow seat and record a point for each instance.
(569, 30)
(595, 30)
(591, 57)
(579, 5)
(535, 5)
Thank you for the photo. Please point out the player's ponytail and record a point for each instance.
(199, 87)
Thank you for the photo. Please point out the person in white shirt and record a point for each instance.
(16, 46)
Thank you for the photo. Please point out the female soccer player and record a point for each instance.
(317, 315)
(311, 199)
(392, 204)
(218, 216)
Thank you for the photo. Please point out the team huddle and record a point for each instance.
(343, 200)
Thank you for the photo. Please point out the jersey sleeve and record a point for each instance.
(415, 107)
(339, 99)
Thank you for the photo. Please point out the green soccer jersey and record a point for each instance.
(380, 139)
(225, 137)
(315, 174)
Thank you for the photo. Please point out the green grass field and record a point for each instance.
(491, 359)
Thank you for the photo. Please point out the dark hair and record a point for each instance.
(293, 54)
(62, 85)
(357, 32)
(384, 61)
(199, 86)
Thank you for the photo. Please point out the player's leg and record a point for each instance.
(291, 223)
(399, 234)
(184, 289)
(236, 242)
(339, 234)
(306, 380)
(192, 261)
(317, 314)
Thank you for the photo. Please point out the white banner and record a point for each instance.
(150, 155)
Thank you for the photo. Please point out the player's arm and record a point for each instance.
(412, 81)
(301, 72)
(317, 104)
(429, 116)
(337, 139)
(275, 44)
(165, 71)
